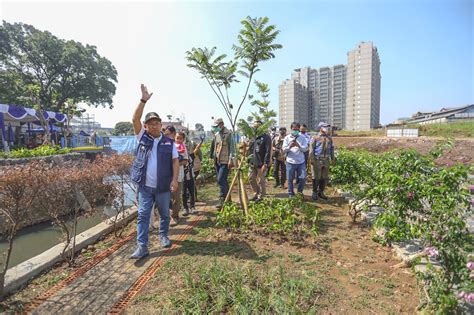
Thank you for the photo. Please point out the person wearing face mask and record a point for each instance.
(304, 132)
(321, 155)
(279, 166)
(260, 150)
(294, 146)
(222, 152)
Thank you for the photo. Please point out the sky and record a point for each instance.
(426, 48)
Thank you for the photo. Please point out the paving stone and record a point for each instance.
(100, 288)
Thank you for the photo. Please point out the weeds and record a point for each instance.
(287, 217)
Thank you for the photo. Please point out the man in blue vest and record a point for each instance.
(155, 172)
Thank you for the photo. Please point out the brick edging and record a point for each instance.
(126, 298)
(40, 299)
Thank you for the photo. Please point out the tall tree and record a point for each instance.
(40, 70)
(255, 45)
(123, 128)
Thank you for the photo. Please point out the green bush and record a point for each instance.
(208, 169)
(44, 150)
(422, 201)
(288, 217)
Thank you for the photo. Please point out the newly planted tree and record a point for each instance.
(256, 44)
(262, 113)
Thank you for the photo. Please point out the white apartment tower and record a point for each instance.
(363, 88)
(326, 88)
(293, 103)
(347, 97)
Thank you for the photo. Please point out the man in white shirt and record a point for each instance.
(155, 172)
(294, 145)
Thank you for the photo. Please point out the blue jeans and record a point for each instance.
(222, 181)
(300, 170)
(147, 197)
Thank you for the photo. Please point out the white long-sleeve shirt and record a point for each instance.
(295, 155)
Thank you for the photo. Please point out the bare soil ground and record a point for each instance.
(462, 152)
(354, 275)
(348, 272)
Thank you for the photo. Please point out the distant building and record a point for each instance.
(363, 88)
(177, 124)
(293, 103)
(345, 96)
(326, 92)
(445, 115)
(85, 123)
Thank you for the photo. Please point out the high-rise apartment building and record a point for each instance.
(326, 94)
(330, 90)
(363, 88)
(293, 103)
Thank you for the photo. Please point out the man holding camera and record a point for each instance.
(294, 145)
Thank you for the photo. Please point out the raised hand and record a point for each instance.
(145, 95)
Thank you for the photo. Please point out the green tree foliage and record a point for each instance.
(123, 128)
(262, 113)
(38, 69)
(423, 201)
(256, 44)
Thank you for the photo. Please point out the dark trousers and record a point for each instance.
(222, 179)
(196, 174)
(189, 193)
(279, 172)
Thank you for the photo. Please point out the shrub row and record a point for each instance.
(421, 201)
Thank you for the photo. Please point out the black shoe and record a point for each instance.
(314, 196)
(276, 185)
(186, 212)
(254, 198)
(220, 204)
(322, 195)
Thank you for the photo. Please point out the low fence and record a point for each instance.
(403, 132)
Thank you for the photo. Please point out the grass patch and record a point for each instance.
(450, 130)
(223, 286)
(50, 280)
(295, 257)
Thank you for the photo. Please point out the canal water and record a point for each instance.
(34, 240)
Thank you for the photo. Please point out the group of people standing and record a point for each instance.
(166, 165)
(292, 155)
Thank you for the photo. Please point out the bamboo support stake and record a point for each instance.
(244, 196)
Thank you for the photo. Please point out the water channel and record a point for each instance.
(36, 239)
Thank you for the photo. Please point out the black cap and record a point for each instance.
(152, 115)
(170, 128)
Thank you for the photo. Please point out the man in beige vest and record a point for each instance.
(222, 154)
